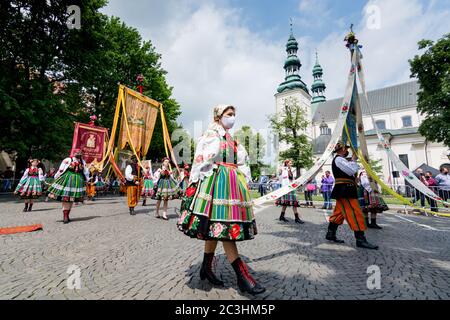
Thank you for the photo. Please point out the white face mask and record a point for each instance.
(228, 122)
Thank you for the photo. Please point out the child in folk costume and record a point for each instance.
(370, 201)
(70, 183)
(166, 187)
(148, 185)
(184, 178)
(132, 183)
(218, 205)
(100, 185)
(290, 199)
(90, 185)
(30, 186)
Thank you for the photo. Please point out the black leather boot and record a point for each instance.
(144, 202)
(26, 207)
(282, 218)
(373, 224)
(298, 220)
(361, 241)
(30, 207)
(245, 281)
(206, 271)
(331, 234)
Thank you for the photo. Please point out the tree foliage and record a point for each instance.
(51, 76)
(290, 125)
(432, 69)
(255, 146)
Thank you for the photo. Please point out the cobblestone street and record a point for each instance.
(140, 257)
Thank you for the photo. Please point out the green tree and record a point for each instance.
(290, 125)
(51, 76)
(432, 69)
(255, 146)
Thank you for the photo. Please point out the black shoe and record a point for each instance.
(282, 218)
(331, 233)
(373, 225)
(245, 281)
(361, 241)
(26, 208)
(144, 203)
(299, 221)
(30, 207)
(206, 271)
(132, 212)
(323, 208)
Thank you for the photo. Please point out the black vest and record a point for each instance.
(345, 185)
(134, 172)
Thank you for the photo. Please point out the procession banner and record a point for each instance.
(138, 121)
(91, 140)
(329, 150)
(399, 165)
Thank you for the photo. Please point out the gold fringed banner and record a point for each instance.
(138, 121)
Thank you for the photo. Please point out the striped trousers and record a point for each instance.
(132, 196)
(349, 210)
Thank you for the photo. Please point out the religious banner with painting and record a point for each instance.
(91, 140)
(138, 121)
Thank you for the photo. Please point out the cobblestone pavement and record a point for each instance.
(140, 257)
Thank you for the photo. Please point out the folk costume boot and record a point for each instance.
(331, 234)
(30, 207)
(245, 281)
(282, 218)
(373, 224)
(206, 271)
(298, 220)
(66, 216)
(144, 203)
(26, 207)
(361, 241)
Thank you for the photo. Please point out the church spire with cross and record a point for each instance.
(292, 67)
(318, 87)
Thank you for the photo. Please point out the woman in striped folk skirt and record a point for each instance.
(166, 188)
(290, 199)
(217, 205)
(148, 185)
(30, 186)
(70, 181)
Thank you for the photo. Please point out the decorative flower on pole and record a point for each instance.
(345, 108)
(140, 80)
(93, 118)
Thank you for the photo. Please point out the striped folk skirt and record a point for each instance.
(167, 189)
(220, 208)
(69, 187)
(148, 188)
(29, 188)
(288, 200)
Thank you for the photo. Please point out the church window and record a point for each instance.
(381, 124)
(407, 121)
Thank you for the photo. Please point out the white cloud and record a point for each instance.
(386, 50)
(212, 57)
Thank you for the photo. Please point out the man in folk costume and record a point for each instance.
(132, 183)
(90, 186)
(70, 183)
(345, 193)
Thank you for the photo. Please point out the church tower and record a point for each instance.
(318, 87)
(293, 87)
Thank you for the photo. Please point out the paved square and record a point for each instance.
(140, 257)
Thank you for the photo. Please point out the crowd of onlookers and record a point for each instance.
(439, 184)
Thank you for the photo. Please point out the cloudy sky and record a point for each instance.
(232, 51)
